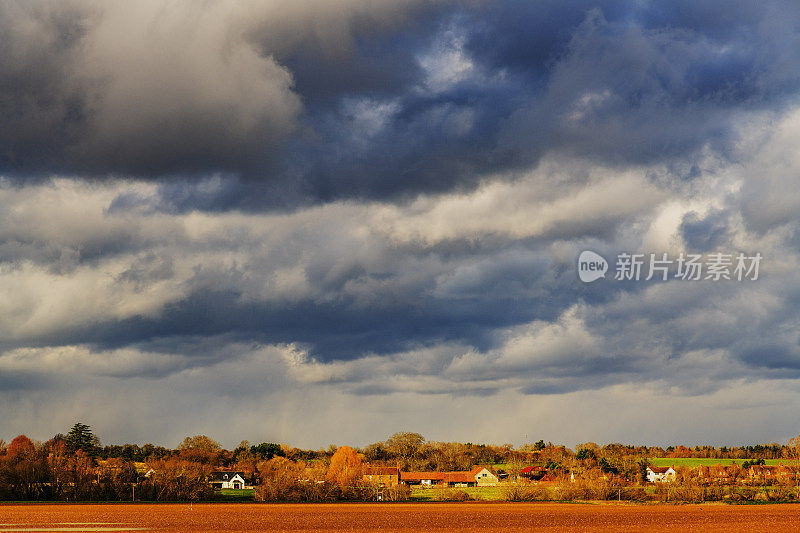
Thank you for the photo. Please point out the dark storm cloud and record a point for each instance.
(619, 82)
(468, 307)
(268, 95)
(707, 233)
(732, 41)
(365, 54)
(107, 89)
(151, 90)
(773, 356)
(40, 110)
(18, 382)
(623, 93)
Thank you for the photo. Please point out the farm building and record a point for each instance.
(533, 473)
(459, 479)
(422, 478)
(383, 476)
(483, 477)
(438, 479)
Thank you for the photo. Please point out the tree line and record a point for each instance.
(76, 466)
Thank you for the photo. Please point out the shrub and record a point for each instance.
(685, 492)
(567, 490)
(743, 494)
(525, 492)
(452, 495)
(601, 489)
(634, 494)
(398, 493)
(779, 493)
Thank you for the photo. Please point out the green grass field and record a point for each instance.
(694, 463)
(235, 494)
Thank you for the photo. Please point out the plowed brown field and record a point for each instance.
(515, 517)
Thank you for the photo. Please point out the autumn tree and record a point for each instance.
(281, 480)
(20, 447)
(447, 456)
(176, 479)
(57, 462)
(376, 452)
(200, 449)
(643, 464)
(243, 447)
(200, 442)
(81, 476)
(794, 447)
(244, 460)
(23, 472)
(586, 455)
(405, 446)
(345, 467)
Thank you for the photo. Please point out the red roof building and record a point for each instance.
(422, 478)
(533, 473)
(450, 479)
(383, 476)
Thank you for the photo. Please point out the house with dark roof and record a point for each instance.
(227, 479)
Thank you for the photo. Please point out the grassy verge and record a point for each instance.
(235, 495)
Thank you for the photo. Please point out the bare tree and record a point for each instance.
(404, 446)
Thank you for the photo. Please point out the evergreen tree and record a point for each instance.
(80, 437)
(267, 450)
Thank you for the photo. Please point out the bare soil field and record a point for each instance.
(473, 516)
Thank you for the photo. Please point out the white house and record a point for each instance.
(484, 477)
(227, 480)
(660, 474)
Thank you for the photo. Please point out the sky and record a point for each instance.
(318, 222)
